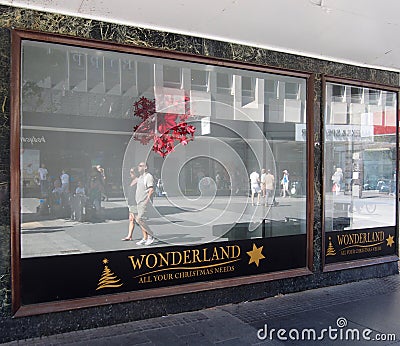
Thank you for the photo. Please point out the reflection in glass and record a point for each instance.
(360, 158)
(77, 115)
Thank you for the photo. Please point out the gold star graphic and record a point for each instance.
(105, 261)
(256, 255)
(390, 240)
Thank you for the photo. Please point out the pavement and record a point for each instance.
(360, 313)
(181, 222)
(178, 222)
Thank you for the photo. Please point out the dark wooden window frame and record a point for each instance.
(20, 310)
(373, 260)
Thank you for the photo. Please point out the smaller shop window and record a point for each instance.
(360, 172)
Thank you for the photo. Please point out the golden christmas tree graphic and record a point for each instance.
(108, 278)
(331, 250)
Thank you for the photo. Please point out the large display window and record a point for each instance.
(361, 161)
(139, 171)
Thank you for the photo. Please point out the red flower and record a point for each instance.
(191, 129)
(170, 131)
(183, 140)
(166, 122)
(184, 117)
(143, 108)
(145, 139)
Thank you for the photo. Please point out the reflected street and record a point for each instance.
(43, 236)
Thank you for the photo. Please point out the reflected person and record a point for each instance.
(269, 186)
(64, 181)
(131, 198)
(43, 172)
(285, 183)
(255, 186)
(144, 191)
(103, 180)
(337, 178)
(263, 187)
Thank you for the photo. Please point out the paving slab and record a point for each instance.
(370, 304)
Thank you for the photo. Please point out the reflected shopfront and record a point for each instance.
(263, 180)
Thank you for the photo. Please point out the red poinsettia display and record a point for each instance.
(164, 129)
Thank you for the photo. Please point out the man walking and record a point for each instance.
(263, 188)
(64, 181)
(269, 186)
(144, 191)
(285, 183)
(43, 180)
(255, 187)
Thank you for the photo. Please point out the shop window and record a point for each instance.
(374, 97)
(172, 77)
(356, 94)
(271, 89)
(200, 80)
(360, 173)
(224, 83)
(248, 90)
(226, 168)
(338, 93)
(292, 91)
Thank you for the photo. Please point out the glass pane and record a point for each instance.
(224, 149)
(360, 158)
